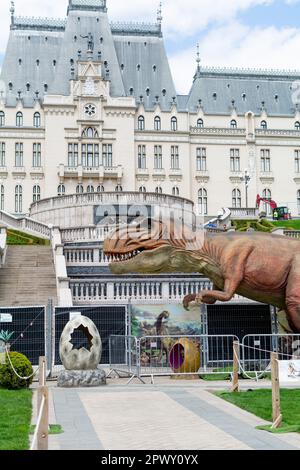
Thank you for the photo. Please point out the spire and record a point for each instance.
(159, 15)
(198, 62)
(12, 12)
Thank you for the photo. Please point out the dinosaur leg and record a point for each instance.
(233, 276)
(293, 295)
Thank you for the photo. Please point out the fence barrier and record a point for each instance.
(40, 437)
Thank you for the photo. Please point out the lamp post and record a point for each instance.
(247, 179)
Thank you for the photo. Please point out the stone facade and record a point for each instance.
(87, 106)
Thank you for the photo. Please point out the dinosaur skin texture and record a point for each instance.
(261, 267)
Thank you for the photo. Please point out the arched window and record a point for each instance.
(202, 201)
(158, 190)
(119, 189)
(100, 189)
(2, 119)
(37, 120)
(18, 199)
(141, 123)
(236, 199)
(175, 191)
(2, 198)
(297, 126)
(19, 119)
(90, 189)
(267, 194)
(157, 123)
(200, 123)
(174, 124)
(233, 124)
(79, 189)
(36, 193)
(90, 133)
(61, 190)
(298, 201)
(263, 125)
(142, 189)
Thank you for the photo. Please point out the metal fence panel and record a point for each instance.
(28, 325)
(123, 355)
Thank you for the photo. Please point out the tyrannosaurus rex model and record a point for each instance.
(258, 266)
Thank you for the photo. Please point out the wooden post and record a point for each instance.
(235, 376)
(276, 413)
(42, 437)
(42, 380)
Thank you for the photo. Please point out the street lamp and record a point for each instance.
(247, 179)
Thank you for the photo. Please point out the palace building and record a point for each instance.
(90, 106)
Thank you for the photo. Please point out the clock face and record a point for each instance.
(90, 110)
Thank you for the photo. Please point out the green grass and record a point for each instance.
(15, 418)
(259, 402)
(291, 224)
(15, 237)
(53, 429)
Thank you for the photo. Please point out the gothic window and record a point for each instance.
(90, 189)
(263, 125)
(157, 123)
(158, 157)
(297, 126)
(174, 124)
(2, 153)
(233, 124)
(79, 189)
(90, 155)
(36, 193)
(19, 119)
(119, 189)
(2, 198)
(141, 123)
(298, 201)
(19, 154)
(37, 159)
(175, 191)
(37, 120)
(297, 161)
(18, 199)
(100, 189)
(142, 159)
(73, 155)
(236, 199)
(107, 155)
(2, 118)
(200, 123)
(90, 133)
(61, 190)
(174, 157)
(201, 163)
(267, 194)
(142, 189)
(202, 202)
(158, 190)
(265, 161)
(90, 110)
(235, 162)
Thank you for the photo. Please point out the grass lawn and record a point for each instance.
(15, 418)
(259, 402)
(292, 224)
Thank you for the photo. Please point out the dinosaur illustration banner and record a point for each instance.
(162, 320)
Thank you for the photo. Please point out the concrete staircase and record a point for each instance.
(28, 276)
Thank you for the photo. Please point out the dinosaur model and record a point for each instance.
(162, 330)
(258, 266)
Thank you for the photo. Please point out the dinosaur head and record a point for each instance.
(147, 248)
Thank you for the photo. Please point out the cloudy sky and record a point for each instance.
(244, 33)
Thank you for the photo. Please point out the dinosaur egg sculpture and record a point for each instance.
(185, 357)
(81, 358)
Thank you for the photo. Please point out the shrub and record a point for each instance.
(8, 378)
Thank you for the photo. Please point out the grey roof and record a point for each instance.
(44, 24)
(139, 29)
(219, 90)
(87, 5)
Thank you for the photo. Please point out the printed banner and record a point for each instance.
(289, 371)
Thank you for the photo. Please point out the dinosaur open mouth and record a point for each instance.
(122, 258)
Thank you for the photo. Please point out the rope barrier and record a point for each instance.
(246, 373)
(14, 370)
(267, 351)
(38, 423)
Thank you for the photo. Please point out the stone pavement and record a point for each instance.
(165, 416)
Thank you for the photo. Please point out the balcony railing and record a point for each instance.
(243, 213)
(218, 131)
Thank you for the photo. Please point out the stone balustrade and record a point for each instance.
(26, 224)
(243, 213)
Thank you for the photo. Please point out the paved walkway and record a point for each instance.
(165, 416)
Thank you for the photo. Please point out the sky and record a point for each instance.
(230, 33)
